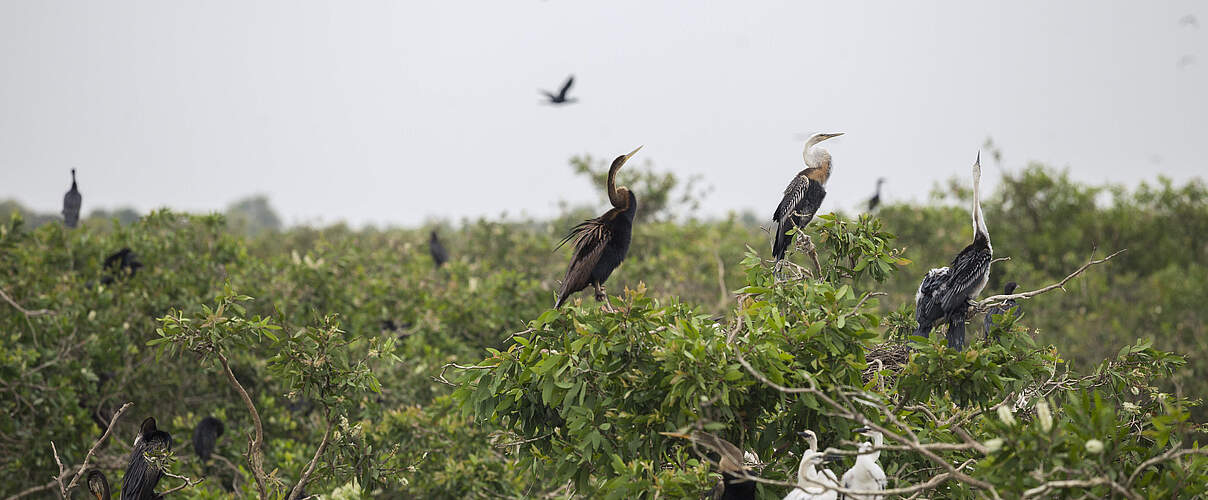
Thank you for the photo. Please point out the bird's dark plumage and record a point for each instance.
(875, 201)
(98, 486)
(601, 243)
(120, 264)
(561, 97)
(437, 250)
(205, 435)
(141, 476)
(801, 201)
(1008, 306)
(945, 292)
(71, 204)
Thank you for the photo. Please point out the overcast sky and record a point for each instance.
(396, 112)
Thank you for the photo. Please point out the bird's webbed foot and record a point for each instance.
(602, 296)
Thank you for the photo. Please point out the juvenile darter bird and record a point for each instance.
(560, 97)
(803, 196)
(98, 486)
(1007, 306)
(812, 480)
(601, 243)
(945, 292)
(205, 436)
(875, 201)
(867, 474)
(141, 475)
(71, 204)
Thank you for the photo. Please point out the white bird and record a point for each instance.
(811, 483)
(812, 439)
(867, 475)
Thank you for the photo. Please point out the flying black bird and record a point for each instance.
(204, 436)
(439, 255)
(601, 243)
(142, 476)
(121, 264)
(71, 204)
(1008, 306)
(803, 196)
(561, 98)
(875, 201)
(945, 292)
(98, 485)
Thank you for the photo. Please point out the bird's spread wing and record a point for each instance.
(566, 87)
(590, 236)
(793, 195)
(968, 270)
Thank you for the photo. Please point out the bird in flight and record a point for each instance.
(560, 97)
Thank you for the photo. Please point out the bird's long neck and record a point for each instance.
(979, 220)
(818, 164)
(619, 197)
(806, 472)
(73, 181)
(877, 441)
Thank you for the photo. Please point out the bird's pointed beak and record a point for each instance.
(830, 136)
(862, 430)
(803, 434)
(978, 160)
(631, 153)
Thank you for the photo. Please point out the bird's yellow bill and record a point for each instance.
(631, 153)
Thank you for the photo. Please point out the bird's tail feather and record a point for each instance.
(956, 332)
(781, 244)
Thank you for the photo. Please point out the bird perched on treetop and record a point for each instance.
(803, 196)
(601, 243)
(875, 201)
(71, 204)
(560, 97)
(946, 291)
(437, 250)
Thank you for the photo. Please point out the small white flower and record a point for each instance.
(1004, 414)
(1044, 415)
(1094, 446)
(1131, 407)
(993, 445)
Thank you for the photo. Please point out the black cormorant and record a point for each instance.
(437, 250)
(560, 97)
(1007, 306)
(601, 243)
(803, 196)
(945, 292)
(71, 204)
(121, 264)
(98, 486)
(875, 201)
(142, 476)
(204, 437)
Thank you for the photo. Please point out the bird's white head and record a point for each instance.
(810, 438)
(817, 157)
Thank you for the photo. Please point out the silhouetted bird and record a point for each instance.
(141, 476)
(1007, 306)
(601, 243)
(945, 292)
(875, 201)
(121, 264)
(803, 196)
(561, 97)
(204, 437)
(437, 250)
(71, 204)
(98, 486)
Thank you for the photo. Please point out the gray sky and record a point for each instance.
(394, 112)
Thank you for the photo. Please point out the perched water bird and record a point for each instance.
(560, 97)
(142, 476)
(809, 475)
(867, 474)
(875, 201)
(121, 264)
(1007, 306)
(601, 243)
(71, 204)
(98, 486)
(803, 196)
(945, 292)
(437, 250)
(205, 435)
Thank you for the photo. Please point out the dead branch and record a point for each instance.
(441, 378)
(59, 477)
(188, 483)
(995, 300)
(28, 313)
(88, 457)
(1080, 483)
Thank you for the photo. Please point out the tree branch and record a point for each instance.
(189, 483)
(26, 312)
(995, 300)
(108, 430)
(293, 495)
(255, 456)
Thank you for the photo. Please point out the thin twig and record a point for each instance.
(297, 491)
(188, 483)
(26, 312)
(255, 456)
(441, 378)
(1169, 455)
(524, 441)
(97, 444)
(59, 477)
(995, 300)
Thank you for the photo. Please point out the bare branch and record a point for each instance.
(1173, 453)
(297, 491)
(995, 300)
(1080, 483)
(26, 312)
(255, 456)
(108, 430)
(59, 477)
(188, 483)
(441, 378)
